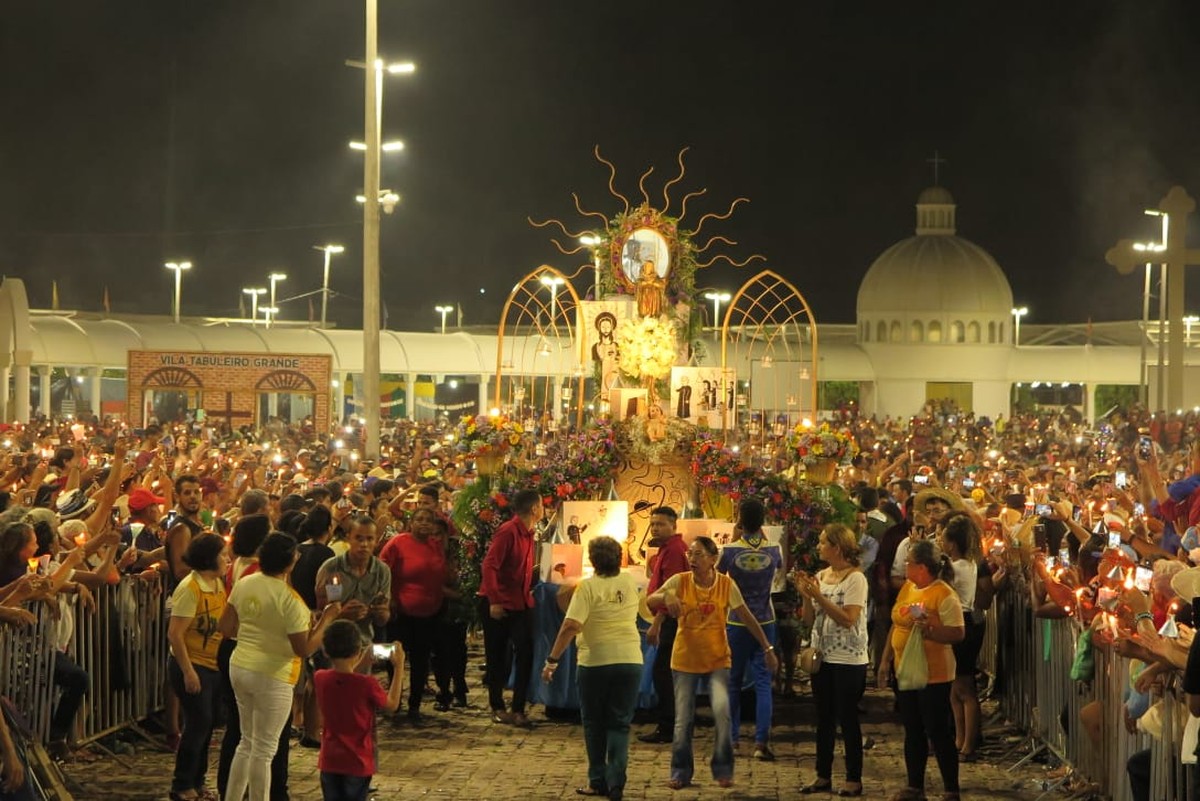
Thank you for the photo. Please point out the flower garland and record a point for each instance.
(581, 466)
(647, 347)
(798, 507)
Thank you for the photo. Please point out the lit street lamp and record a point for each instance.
(1017, 315)
(592, 241)
(443, 310)
(394, 146)
(254, 292)
(554, 282)
(274, 279)
(717, 298)
(178, 267)
(328, 250)
(269, 312)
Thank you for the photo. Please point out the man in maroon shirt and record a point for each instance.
(506, 602)
(670, 559)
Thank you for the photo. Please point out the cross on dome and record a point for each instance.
(937, 161)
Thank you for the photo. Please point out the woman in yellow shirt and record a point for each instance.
(273, 627)
(701, 600)
(196, 606)
(926, 602)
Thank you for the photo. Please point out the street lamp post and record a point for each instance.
(373, 69)
(328, 250)
(554, 282)
(443, 310)
(274, 278)
(178, 267)
(1144, 375)
(717, 298)
(268, 313)
(1017, 314)
(254, 292)
(592, 241)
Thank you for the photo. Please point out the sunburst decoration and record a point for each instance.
(609, 239)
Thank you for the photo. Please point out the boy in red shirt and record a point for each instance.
(348, 701)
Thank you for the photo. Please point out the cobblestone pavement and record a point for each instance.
(461, 754)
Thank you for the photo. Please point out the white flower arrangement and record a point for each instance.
(647, 347)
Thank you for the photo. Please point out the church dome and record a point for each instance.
(934, 281)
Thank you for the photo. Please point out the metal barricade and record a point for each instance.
(27, 669)
(122, 646)
(1031, 658)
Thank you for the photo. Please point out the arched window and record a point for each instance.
(956, 332)
(916, 331)
(935, 331)
(973, 332)
(865, 332)
(992, 333)
(1000, 336)
(881, 332)
(896, 333)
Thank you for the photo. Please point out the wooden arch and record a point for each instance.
(767, 318)
(537, 327)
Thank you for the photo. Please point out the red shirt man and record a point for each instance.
(672, 551)
(507, 573)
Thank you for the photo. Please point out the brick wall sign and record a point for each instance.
(229, 385)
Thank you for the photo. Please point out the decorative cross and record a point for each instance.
(937, 161)
(228, 413)
(1177, 206)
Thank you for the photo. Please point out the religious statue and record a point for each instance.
(651, 291)
(656, 426)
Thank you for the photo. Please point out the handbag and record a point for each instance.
(912, 673)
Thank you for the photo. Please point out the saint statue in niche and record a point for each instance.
(651, 291)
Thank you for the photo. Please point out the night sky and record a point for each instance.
(216, 131)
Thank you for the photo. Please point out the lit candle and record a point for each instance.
(81, 538)
(33, 565)
(1169, 628)
(1129, 579)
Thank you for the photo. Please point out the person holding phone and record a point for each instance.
(348, 701)
(363, 581)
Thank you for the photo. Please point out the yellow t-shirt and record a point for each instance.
(701, 644)
(268, 611)
(203, 603)
(607, 607)
(942, 607)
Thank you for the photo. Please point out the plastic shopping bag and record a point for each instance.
(912, 673)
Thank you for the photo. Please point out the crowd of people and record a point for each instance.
(292, 571)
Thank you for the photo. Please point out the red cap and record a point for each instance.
(142, 498)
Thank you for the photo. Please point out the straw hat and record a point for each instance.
(951, 499)
(1186, 583)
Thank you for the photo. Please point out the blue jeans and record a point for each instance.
(340, 787)
(682, 765)
(748, 653)
(607, 696)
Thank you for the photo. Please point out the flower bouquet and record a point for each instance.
(488, 439)
(820, 449)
